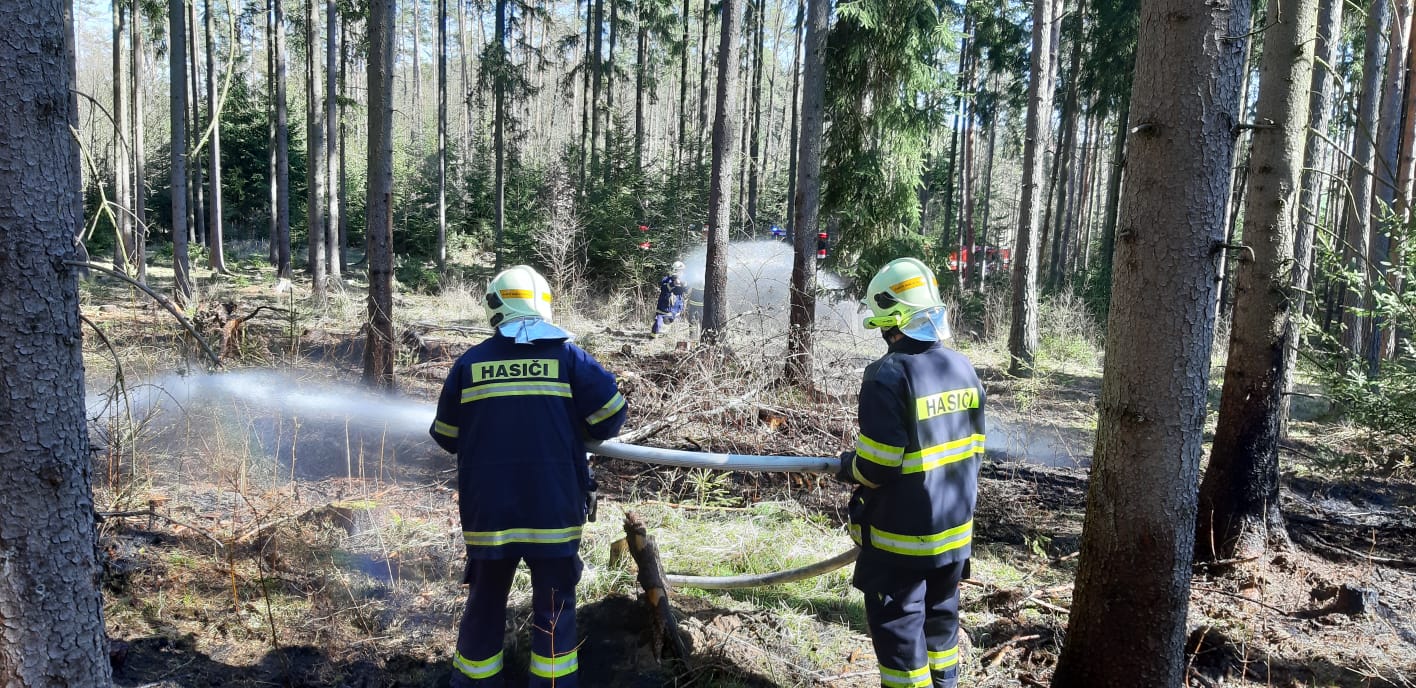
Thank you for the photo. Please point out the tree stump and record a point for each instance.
(656, 589)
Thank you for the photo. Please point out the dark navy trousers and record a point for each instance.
(554, 661)
(914, 622)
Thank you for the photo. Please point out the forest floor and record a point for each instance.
(273, 525)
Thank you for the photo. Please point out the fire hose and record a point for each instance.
(734, 462)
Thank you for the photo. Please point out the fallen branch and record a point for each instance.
(161, 300)
(1237, 596)
(997, 652)
(151, 514)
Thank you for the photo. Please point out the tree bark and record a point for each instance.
(378, 351)
(177, 81)
(1138, 536)
(715, 293)
(122, 181)
(51, 608)
(217, 255)
(794, 117)
(1388, 138)
(342, 188)
(333, 191)
(139, 155)
(196, 188)
(1023, 333)
(1357, 251)
(754, 164)
(499, 132)
(1325, 81)
(315, 144)
(442, 135)
(282, 146)
(1239, 508)
(807, 203)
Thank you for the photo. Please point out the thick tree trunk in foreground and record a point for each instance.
(808, 202)
(51, 610)
(1138, 537)
(715, 293)
(1238, 508)
(378, 352)
(1022, 333)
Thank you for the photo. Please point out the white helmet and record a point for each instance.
(518, 292)
(905, 294)
(678, 267)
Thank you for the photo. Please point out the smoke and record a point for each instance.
(759, 286)
(281, 425)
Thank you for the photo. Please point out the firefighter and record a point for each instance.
(694, 310)
(671, 291)
(916, 463)
(514, 409)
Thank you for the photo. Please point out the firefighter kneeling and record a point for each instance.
(916, 462)
(514, 409)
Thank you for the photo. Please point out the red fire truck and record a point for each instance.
(996, 258)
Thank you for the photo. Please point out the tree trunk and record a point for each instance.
(1355, 327)
(274, 229)
(1022, 333)
(177, 81)
(196, 212)
(136, 92)
(1325, 81)
(499, 133)
(333, 192)
(1388, 135)
(442, 135)
(641, 58)
(122, 181)
(342, 189)
(1105, 252)
(681, 152)
(1064, 166)
(794, 117)
(416, 131)
(217, 254)
(702, 85)
(715, 293)
(314, 142)
(807, 202)
(282, 146)
(1239, 507)
(597, 75)
(378, 240)
(1138, 536)
(754, 164)
(51, 608)
(609, 68)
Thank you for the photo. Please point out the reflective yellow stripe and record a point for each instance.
(515, 293)
(486, 668)
(941, 454)
(859, 477)
(913, 678)
(939, 661)
(515, 369)
(878, 452)
(607, 411)
(855, 533)
(952, 401)
(554, 667)
(922, 545)
(539, 536)
(910, 283)
(515, 389)
(445, 429)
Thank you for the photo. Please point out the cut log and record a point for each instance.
(666, 635)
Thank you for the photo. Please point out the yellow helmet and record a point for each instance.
(902, 289)
(518, 292)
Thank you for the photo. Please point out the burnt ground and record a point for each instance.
(277, 575)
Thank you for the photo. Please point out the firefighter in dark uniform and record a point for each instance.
(671, 291)
(916, 462)
(515, 409)
(694, 310)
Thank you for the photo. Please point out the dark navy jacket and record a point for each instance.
(671, 292)
(515, 415)
(917, 457)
